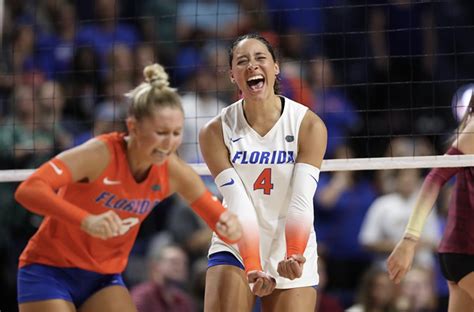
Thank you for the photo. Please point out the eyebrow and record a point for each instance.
(245, 55)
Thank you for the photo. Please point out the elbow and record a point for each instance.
(24, 191)
(21, 191)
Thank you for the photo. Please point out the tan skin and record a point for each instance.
(461, 295)
(151, 141)
(227, 287)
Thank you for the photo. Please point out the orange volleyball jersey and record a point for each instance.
(60, 244)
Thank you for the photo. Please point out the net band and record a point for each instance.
(349, 164)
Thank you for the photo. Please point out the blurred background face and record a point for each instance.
(50, 96)
(174, 264)
(417, 288)
(408, 181)
(24, 104)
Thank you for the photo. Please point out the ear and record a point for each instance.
(277, 69)
(131, 125)
(231, 77)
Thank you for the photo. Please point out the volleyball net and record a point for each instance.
(388, 79)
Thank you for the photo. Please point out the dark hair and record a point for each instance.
(267, 44)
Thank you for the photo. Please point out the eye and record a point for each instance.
(242, 62)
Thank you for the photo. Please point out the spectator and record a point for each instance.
(385, 221)
(168, 273)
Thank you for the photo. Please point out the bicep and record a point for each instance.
(86, 161)
(184, 180)
(312, 140)
(213, 149)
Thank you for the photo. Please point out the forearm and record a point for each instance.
(300, 212)
(238, 202)
(38, 193)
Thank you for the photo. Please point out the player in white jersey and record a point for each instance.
(264, 152)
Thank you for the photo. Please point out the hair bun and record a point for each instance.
(156, 76)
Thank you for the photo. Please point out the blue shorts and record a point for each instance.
(227, 258)
(223, 258)
(37, 282)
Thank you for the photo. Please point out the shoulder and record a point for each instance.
(87, 160)
(313, 125)
(212, 128)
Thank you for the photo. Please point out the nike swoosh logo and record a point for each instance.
(235, 140)
(314, 179)
(110, 182)
(228, 183)
(56, 168)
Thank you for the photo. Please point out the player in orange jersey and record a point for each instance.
(95, 196)
(265, 152)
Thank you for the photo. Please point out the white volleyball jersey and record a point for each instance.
(265, 165)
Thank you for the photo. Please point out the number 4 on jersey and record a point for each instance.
(264, 181)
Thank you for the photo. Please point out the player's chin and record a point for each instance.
(159, 159)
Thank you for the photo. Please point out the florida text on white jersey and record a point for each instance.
(265, 164)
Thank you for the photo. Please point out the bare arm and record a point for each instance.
(299, 221)
(312, 140)
(214, 151)
(84, 163)
(185, 181)
(401, 258)
(216, 156)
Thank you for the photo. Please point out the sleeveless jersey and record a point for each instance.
(459, 235)
(61, 244)
(265, 166)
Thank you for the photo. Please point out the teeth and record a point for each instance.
(255, 77)
(161, 151)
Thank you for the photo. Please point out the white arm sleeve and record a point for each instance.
(236, 199)
(301, 211)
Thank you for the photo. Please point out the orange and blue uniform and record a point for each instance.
(57, 243)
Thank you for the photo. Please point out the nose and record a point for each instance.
(166, 142)
(252, 66)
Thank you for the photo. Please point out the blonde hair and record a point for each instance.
(154, 93)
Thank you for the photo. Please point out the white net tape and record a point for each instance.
(349, 164)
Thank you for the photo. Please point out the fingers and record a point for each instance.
(113, 223)
(291, 267)
(261, 283)
(229, 226)
(105, 225)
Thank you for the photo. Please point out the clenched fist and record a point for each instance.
(228, 227)
(105, 225)
(291, 267)
(261, 283)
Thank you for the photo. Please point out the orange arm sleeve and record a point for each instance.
(209, 209)
(38, 193)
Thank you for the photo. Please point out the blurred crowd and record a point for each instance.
(381, 74)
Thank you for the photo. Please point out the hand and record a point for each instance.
(104, 226)
(400, 260)
(291, 267)
(261, 284)
(228, 227)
